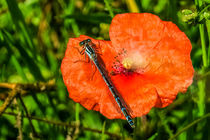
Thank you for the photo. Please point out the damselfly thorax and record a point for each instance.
(90, 49)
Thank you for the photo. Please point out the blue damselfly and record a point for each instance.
(89, 49)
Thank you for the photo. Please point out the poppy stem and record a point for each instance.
(198, 4)
(77, 112)
(203, 45)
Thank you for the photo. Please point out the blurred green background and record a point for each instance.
(33, 39)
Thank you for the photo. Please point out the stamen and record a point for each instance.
(130, 65)
(127, 63)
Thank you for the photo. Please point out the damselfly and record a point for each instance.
(89, 49)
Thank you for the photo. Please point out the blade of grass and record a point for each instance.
(164, 123)
(138, 127)
(161, 5)
(189, 126)
(190, 119)
(103, 130)
(107, 3)
(146, 4)
(29, 61)
(153, 137)
(34, 69)
(72, 21)
(18, 68)
(208, 31)
(14, 60)
(20, 24)
(94, 18)
(132, 6)
(2, 73)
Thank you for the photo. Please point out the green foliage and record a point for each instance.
(33, 39)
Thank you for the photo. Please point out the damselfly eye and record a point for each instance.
(88, 40)
(81, 43)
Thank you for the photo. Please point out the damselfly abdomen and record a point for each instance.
(89, 49)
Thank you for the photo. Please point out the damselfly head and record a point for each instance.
(87, 41)
(82, 43)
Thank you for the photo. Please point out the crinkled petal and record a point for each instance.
(83, 87)
(161, 54)
(162, 46)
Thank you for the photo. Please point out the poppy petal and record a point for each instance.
(161, 46)
(77, 75)
(157, 53)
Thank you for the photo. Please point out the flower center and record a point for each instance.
(130, 65)
(127, 63)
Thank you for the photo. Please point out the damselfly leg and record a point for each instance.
(82, 52)
(87, 58)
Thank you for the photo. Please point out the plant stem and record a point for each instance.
(58, 123)
(28, 116)
(198, 4)
(190, 125)
(77, 112)
(103, 130)
(203, 45)
(8, 101)
(107, 3)
(208, 31)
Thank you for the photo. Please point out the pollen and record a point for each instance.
(127, 63)
(135, 62)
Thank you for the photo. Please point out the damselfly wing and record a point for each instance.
(89, 49)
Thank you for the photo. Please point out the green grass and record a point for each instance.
(33, 39)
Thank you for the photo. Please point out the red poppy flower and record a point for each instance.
(148, 61)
